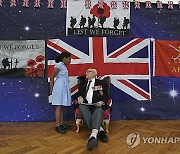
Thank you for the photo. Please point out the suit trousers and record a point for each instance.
(92, 115)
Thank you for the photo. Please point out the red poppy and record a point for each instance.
(40, 58)
(100, 12)
(27, 69)
(32, 69)
(31, 62)
(40, 73)
(30, 72)
(40, 66)
(27, 73)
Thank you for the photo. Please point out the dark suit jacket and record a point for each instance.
(100, 92)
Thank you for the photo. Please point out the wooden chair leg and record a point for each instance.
(106, 122)
(82, 121)
(78, 123)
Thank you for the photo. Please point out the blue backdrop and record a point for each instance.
(24, 99)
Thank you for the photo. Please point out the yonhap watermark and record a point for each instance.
(134, 139)
(161, 140)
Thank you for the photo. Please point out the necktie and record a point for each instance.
(87, 88)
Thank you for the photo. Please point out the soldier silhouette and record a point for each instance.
(89, 22)
(102, 20)
(73, 22)
(6, 63)
(116, 22)
(125, 23)
(16, 62)
(82, 22)
(11, 63)
(93, 20)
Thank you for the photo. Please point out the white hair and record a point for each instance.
(95, 71)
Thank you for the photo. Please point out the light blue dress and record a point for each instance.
(61, 94)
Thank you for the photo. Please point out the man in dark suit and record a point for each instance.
(92, 99)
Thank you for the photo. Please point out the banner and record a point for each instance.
(167, 58)
(97, 18)
(22, 58)
(126, 61)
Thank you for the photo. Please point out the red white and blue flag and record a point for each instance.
(126, 61)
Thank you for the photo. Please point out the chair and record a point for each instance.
(107, 113)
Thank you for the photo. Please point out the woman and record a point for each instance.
(60, 89)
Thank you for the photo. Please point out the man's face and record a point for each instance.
(90, 74)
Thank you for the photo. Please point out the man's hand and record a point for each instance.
(100, 103)
(80, 100)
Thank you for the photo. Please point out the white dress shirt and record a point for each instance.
(90, 92)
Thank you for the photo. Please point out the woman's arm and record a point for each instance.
(53, 75)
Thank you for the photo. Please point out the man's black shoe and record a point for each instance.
(92, 143)
(103, 137)
(66, 126)
(60, 129)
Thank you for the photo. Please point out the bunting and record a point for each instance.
(137, 5)
(125, 4)
(87, 3)
(63, 4)
(159, 4)
(50, 4)
(170, 5)
(37, 3)
(148, 5)
(113, 4)
(12, 3)
(25, 3)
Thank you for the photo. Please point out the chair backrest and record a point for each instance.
(81, 78)
(107, 79)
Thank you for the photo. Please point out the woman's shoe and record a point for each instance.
(60, 129)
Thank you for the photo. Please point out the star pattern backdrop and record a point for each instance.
(25, 99)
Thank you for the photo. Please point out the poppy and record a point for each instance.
(40, 72)
(40, 66)
(100, 12)
(40, 58)
(31, 62)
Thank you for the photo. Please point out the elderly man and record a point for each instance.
(92, 98)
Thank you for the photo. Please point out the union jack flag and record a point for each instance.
(12, 3)
(159, 4)
(88, 4)
(125, 4)
(113, 4)
(126, 61)
(1, 2)
(100, 4)
(63, 3)
(148, 5)
(170, 5)
(137, 4)
(37, 3)
(50, 4)
(25, 3)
